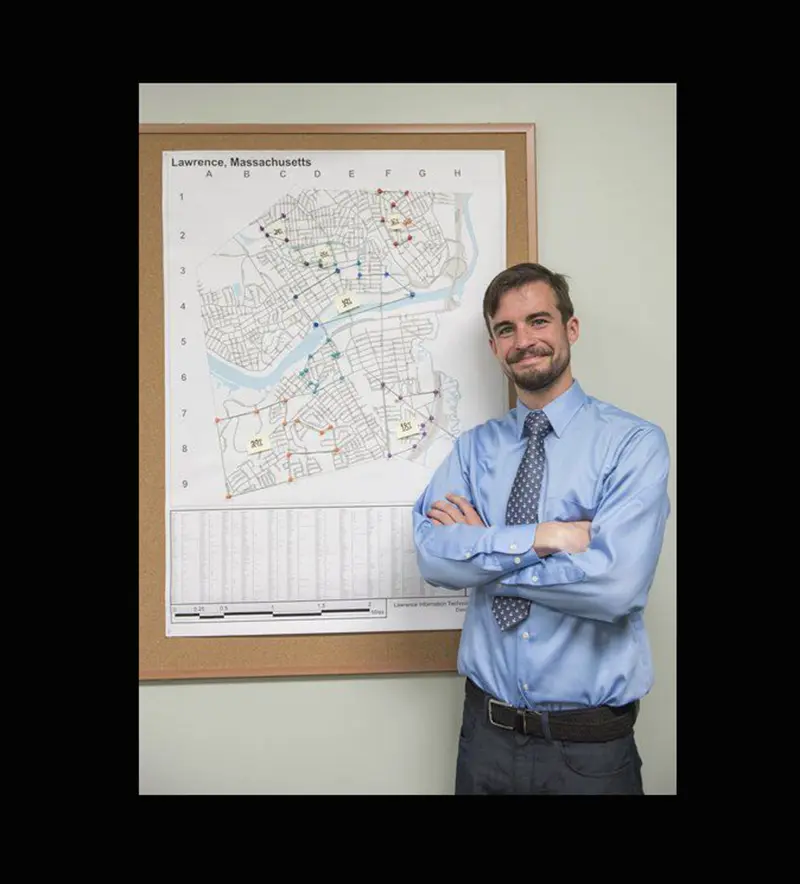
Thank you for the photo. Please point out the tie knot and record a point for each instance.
(537, 426)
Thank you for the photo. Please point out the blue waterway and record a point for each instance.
(315, 337)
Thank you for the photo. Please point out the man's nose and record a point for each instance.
(524, 337)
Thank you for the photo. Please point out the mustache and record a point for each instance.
(531, 351)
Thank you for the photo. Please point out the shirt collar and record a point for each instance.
(559, 412)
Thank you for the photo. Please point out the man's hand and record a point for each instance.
(454, 510)
(568, 537)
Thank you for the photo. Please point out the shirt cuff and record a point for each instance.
(503, 549)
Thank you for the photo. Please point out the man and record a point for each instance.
(554, 515)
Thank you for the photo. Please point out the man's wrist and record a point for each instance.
(545, 539)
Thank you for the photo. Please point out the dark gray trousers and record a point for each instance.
(493, 761)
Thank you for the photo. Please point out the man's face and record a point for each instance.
(529, 339)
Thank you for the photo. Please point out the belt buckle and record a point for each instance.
(505, 727)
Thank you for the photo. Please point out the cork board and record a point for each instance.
(293, 655)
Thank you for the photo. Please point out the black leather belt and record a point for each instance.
(597, 724)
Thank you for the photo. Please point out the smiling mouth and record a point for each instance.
(525, 359)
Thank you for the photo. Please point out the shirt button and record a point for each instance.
(534, 579)
(466, 555)
(524, 687)
(517, 560)
(513, 546)
(525, 635)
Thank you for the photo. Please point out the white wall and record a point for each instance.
(606, 162)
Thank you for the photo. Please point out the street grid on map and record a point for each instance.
(324, 295)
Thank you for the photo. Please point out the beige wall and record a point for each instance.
(606, 159)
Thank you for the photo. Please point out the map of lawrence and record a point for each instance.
(315, 317)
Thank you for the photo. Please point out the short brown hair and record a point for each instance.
(519, 275)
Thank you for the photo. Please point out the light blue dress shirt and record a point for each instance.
(584, 642)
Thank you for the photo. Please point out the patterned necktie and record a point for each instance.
(522, 508)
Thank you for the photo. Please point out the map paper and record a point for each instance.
(324, 347)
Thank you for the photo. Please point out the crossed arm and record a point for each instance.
(600, 570)
(550, 537)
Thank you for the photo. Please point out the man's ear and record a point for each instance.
(573, 329)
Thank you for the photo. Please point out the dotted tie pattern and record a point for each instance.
(522, 508)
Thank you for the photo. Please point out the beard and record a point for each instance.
(532, 378)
